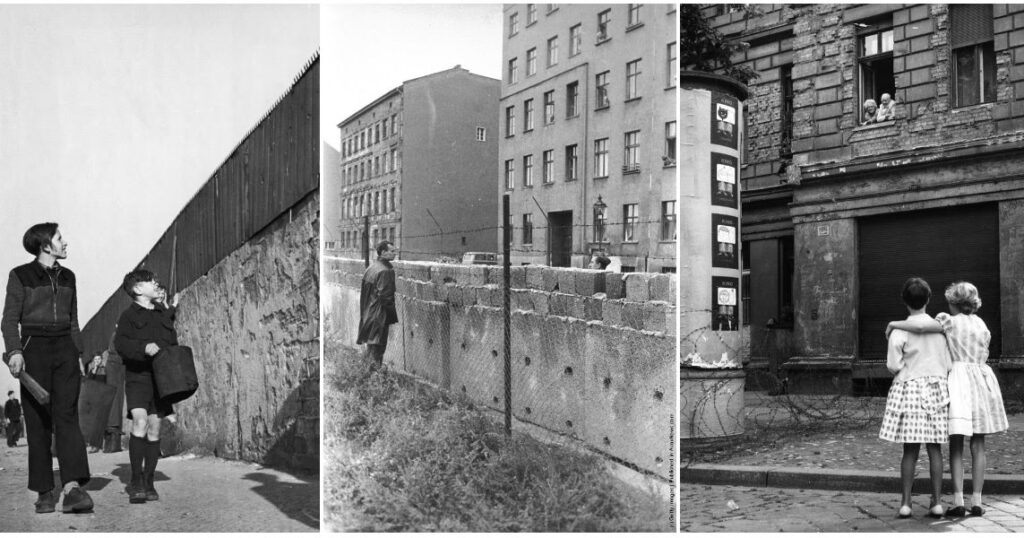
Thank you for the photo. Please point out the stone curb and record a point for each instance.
(833, 479)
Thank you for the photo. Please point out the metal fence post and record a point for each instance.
(506, 242)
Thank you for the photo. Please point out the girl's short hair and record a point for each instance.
(39, 236)
(916, 292)
(964, 296)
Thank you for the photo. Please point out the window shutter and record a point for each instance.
(969, 24)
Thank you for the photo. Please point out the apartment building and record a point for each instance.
(587, 147)
(419, 162)
(841, 206)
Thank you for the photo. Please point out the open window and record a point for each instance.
(874, 44)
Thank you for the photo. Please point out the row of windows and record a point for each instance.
(630, 221)
(377, 203)
(604, 19)
(371, 167)
(370, 135)
(353, 238)
(630, 161)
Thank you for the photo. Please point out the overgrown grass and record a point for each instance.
(404, 457)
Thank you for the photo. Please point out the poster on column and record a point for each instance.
(723, 120)
(723, 180)
(724, 231)
(725, 303)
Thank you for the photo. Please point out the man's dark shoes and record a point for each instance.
(136, 490)
(977, 511)
(151, 494)
(956, 511)
(46, 503)
(77, 500)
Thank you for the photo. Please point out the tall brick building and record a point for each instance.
(588, 127)
(420, 161)
(837, 212)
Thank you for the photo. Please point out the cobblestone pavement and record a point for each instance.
(742, 509)
(198, 494)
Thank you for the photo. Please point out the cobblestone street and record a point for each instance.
(745, 509)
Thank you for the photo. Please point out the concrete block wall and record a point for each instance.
(593, 353)
(253, 324)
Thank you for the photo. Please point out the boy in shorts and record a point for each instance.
(145, 327)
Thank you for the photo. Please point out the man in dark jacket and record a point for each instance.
(377, 304)
(42, 337)
(12, 412)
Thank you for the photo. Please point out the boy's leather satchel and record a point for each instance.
(175, 373)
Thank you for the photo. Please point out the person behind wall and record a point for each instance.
(600, 262)
(144, 328)
(43, 339)
(12, 414)
(377, 304)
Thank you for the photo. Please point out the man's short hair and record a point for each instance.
(133, 278)
(382, 246)
(916, 292)
(39, 236)
(9, 393)
(602, 261)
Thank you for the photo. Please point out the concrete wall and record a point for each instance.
(253, 324)
(592, 352)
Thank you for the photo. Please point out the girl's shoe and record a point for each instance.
(936, 511)
(905, 512)
(956, 511)
(977, 511)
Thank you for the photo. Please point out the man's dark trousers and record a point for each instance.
(13, 432)
(53, 362)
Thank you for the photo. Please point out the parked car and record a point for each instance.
(481, 258)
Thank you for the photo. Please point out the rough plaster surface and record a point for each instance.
(253, 324)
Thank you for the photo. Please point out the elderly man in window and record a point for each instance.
(886, 109)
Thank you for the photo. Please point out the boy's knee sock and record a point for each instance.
(136, 453)
(152, 455)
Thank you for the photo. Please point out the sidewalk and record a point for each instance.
(815, 463)
(197, 494)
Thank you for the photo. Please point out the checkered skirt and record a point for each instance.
(917, 411)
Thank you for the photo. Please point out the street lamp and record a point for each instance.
(599, 220)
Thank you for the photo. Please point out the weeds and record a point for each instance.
(404, 457)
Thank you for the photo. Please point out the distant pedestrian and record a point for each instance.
(600, 262)
(144, 328)
(377, 304)
(43, 339)
(917, 408)
(12, 414)
(975, 401)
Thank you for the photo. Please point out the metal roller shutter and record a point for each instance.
(941, 246)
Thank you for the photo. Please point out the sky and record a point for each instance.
(369, 50)
(112, 117)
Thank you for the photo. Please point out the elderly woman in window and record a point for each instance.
(870, 112)
(887, 109)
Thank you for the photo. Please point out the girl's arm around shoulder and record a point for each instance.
(915, 324)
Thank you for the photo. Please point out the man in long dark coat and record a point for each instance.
(377, 304)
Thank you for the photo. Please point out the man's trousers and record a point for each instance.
(53, 363)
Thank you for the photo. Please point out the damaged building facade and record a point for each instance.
(840, 207)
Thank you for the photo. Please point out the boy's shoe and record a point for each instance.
(904, 512)
(46, 503)
(956, 511)
(977, 511)
(76, 500)
(136, 490)
(151, 494)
